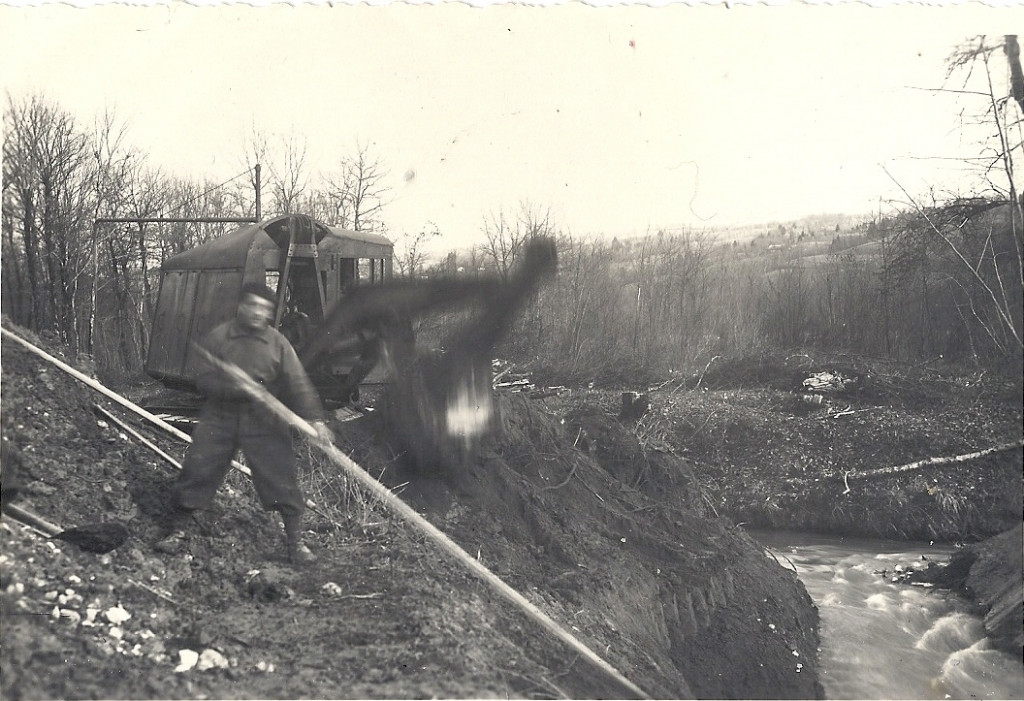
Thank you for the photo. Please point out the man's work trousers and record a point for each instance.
(268, 450)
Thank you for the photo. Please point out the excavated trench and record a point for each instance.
(615, 543)
(623, 544)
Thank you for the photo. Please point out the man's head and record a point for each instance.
(255, 306)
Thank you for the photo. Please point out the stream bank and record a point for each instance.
(989, 574)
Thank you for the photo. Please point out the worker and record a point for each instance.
(229, 420)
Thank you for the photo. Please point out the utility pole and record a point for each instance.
(259, 193)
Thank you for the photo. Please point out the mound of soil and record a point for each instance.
(616, 543)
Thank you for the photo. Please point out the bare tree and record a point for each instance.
(46, 162)
(982, 237)
(505, 237)
(115, 167)
(582, 301)
(289, 180)
(358, 190)
(255, 152)
(409, 254)
(326, 204)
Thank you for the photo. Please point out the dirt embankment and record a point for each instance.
(621, 543)
(617, 544)
(994, 580)
(989, 573)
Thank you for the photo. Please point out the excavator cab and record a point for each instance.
(308, 264)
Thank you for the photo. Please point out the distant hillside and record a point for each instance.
(810, 231)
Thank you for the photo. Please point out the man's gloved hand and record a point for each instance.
(323, 432)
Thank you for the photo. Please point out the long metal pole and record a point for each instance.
(137, 436)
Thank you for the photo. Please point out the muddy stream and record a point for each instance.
(885, 640)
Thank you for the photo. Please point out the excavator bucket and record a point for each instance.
(439, 404)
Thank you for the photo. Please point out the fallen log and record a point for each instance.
(929, 462)
(258, 393)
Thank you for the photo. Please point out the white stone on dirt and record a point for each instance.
(187, 659)
(72, 599)
(210, 659)
(70, 615)
(117, 615)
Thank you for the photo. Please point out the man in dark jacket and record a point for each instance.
(229, 420)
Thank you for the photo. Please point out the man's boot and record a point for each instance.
(298, 553)
(174, 539)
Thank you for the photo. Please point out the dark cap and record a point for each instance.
(260, 290)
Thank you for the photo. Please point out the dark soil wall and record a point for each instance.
(646, 572)
(989, 573)
(995, 582)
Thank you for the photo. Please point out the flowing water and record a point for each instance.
(883, 640)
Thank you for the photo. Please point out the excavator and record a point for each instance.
(349, 318)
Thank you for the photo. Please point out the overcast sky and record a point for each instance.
(619, 118)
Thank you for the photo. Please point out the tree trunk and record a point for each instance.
(1012, 50)
(14, 286)
(31, 257)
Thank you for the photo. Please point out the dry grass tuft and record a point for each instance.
(336, 498)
